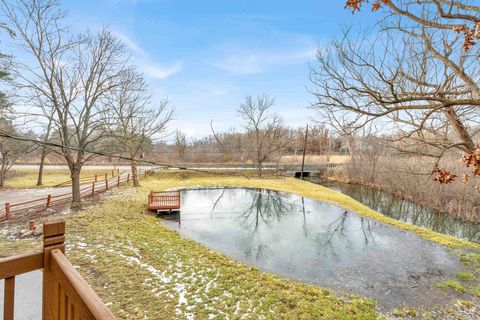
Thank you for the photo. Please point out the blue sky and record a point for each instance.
(206, 56)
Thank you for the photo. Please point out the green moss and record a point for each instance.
(470, 259)
(476, 291)
(398, 313)
(453, 285)
(465, 276)
(466, 304)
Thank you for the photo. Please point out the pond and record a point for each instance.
(407, 211)
(316, 242)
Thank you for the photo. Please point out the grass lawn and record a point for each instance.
(27, 177)
(143, 270)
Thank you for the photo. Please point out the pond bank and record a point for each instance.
(141, 269)
(405, 210)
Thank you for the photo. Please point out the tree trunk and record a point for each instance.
(44, 154)
(2, 179)
(133, 166)
(40, 170)
(75, 175)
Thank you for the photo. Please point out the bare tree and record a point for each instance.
(10, 150)
(180, 145)
(69, 75)
(133, 122)
(264, 128)
(398, 87)
(461, 16)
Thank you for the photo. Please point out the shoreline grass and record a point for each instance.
(143, 269)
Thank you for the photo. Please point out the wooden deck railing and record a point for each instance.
(65, 295)
(12, 210)
(164, 200)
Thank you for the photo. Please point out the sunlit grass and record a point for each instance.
(27, 177)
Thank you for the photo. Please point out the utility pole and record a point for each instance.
(304, 151)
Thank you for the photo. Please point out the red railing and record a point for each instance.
(12, 210)
(93, 178)
(164, 200)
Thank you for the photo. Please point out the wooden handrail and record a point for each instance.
(17, 265)
(79, 296)
(66, 295)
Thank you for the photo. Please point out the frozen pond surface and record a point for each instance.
(316, 242)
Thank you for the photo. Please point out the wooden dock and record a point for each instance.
(164, 201)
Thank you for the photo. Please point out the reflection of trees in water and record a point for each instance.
(336, 235)
(405, 210)
(266, 207)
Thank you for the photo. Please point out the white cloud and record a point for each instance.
(129, 42)
(158, 72)
(144, 61)
(260, 61)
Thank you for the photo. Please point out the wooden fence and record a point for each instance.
(89, 179)
(12, 210)
(65, 295)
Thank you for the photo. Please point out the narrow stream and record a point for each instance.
(407, 211)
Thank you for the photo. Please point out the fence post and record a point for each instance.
(128, 178)
(118, 181)
(145, 173)
(106, 185)
(49, 201)
(106, 176)
(95, 177)
(93, 188)
(7, 210)
(53, 238)
(118, 171)
(113, 173)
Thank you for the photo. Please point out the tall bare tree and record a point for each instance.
(180, 145)
(69, 75)
(264, 128)
(10, 150)
(131, 118)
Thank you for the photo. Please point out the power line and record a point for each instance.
(99, 153)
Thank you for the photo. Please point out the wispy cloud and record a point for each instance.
(158, 72)
(145, 63)
(260, 61)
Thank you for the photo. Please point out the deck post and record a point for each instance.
(53, 238)
(49, 201)
(7, 210)
(9, 294)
